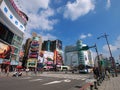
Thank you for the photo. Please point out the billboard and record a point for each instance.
(5, 51)
(32, 62)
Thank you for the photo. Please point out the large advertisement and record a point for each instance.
(11, 17)
(5, 51)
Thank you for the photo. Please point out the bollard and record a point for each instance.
(91, 87)
(95, 85)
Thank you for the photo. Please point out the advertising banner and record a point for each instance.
(32, 62)
(5, 51)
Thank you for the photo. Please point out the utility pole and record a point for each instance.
(111, 57)
(99, 65)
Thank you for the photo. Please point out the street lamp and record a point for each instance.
(111, 57)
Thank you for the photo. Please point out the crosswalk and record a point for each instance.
(49, 80)
(45, 81)
(69, 76)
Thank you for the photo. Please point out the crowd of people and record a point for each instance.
(98, 73)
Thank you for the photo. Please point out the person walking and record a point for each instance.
(96, 73)
(107, 73)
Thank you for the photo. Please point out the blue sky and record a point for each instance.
(70, 20)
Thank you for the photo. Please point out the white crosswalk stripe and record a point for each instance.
(33, 80)
(50, 81)
(75, 77)
(26, 78)
(53, 82)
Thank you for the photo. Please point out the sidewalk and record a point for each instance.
(112, 84)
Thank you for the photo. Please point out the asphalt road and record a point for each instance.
(39, 83)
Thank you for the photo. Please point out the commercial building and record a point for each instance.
(50, 51)
(32, 49)
(55, 47)
(12, 27)
(74, 56)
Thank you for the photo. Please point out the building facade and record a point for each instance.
(12, 27)
(74, 56)
(55, 47)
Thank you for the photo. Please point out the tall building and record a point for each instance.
(32, 49)
(74, 56)
(55, 47)
(12, 27)
(26, 48)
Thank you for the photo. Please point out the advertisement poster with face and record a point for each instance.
(5, 51)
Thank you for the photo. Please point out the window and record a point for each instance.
(6, 34)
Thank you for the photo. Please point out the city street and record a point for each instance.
(44, 82)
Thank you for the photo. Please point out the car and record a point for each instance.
(83, 71)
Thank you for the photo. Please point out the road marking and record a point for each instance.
(67, 80)
(53, 82)
(83, 79)
(26, 78)
(90, 80)
(35, 80)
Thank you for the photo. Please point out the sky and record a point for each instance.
(72, 20)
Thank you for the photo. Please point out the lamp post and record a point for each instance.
(111, 57)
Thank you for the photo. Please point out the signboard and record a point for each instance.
(5, 51)
(11, 17)
(32, 62)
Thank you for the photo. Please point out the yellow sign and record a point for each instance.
(32, 62)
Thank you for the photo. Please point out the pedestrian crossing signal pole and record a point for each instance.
(111, 57)
(99, 63)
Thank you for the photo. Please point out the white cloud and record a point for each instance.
(39, 14)
(117, 42)
(30, 6)
(83, 36)
(114, 47)
(48, 37)
(108, 4)
(26, 36)
(41, 21)
(89, 35)
(78, 8)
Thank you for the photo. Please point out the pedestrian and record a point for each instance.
(96, 73)
(107, 72)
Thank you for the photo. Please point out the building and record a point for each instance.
(32, 49)
(74, 56)
(55, 47)
(12, 27)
